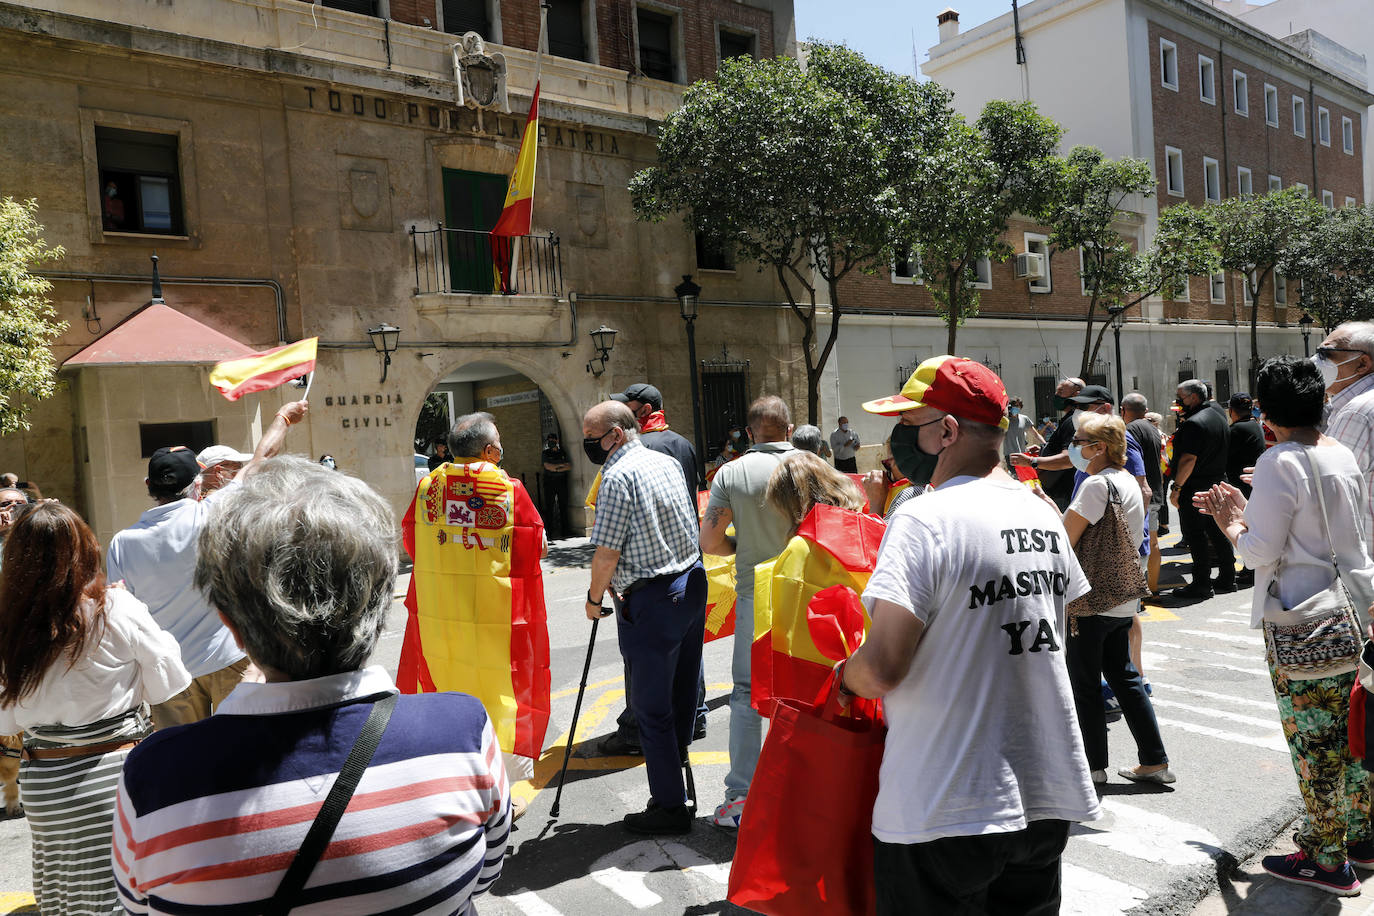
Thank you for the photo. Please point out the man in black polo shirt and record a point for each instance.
(1058, 485)
(1200, 448)
(556, 468)
(1247, 444)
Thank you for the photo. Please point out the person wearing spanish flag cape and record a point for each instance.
(476, 619)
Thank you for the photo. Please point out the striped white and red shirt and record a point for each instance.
(210, 814)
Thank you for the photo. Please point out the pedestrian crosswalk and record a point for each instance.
(1218, 719)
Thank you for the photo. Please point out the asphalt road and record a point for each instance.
(1157, 850)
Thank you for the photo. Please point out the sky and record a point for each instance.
(886, 30)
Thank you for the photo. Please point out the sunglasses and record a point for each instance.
(13, 503)
(1327, 351)
(1081, 442)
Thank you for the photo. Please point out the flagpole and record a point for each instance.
(538, 67)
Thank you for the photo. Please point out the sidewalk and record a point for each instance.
(1247, 891)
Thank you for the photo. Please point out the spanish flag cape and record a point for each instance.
(476, 619)
(807, 613)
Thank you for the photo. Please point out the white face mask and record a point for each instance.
(1330, 370)
(1077, 458)
(844, 426)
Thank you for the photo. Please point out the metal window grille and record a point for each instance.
(724, 398)
(1045, 378)
(1187, 368)
(1222, 382)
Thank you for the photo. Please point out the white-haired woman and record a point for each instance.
(300, 562)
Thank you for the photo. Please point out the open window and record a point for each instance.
(713, 255)
(1168, 64)
(140, 181)
(731, 43)
(1039, 244)
(567, 32)
(1206, 80)
(463, 16)
(656, 40)
(1240, 91)
(1173, 170)
(906, 265)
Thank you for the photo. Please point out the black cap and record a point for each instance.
(1092, 394)
(172, 468)
(642, 392)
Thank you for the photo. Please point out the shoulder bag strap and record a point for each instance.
(331, 812)
(1330, 542)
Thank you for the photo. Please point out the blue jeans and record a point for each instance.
(660, 626)
(746, 725)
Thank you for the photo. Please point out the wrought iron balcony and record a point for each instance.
(460, 261)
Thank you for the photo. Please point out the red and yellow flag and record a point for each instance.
(476, 620)
(519, 207)
(261, 371)
(807, 614)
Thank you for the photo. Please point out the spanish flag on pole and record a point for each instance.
(261, 371)
(519, 208)
(807, 614)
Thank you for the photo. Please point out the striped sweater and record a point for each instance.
(209, 815)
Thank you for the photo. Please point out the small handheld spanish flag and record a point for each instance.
(261, 371)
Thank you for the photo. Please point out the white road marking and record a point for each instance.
(1153, 660)
(1240, 656)
(622, 872)
(1086, 893)
(1267, 705)
(1228, 637)
(1271, 724)
(1146, 835)
(1269, 744)
(531, 904)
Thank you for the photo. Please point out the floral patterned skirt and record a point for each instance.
(1335, 790)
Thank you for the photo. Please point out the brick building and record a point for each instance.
(320, 169)
(1217, 106)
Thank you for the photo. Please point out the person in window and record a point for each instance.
(112, 208)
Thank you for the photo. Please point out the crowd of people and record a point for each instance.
(1003, 613)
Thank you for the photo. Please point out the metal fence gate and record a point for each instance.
(724, 399)
(1046, 379)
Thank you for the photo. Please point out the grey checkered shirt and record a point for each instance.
(644, 511)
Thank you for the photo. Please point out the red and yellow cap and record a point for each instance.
(955, 384)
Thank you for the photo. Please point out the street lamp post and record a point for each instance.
(1305, 325)
(384, 341)
(1118, 319)
(688, 298)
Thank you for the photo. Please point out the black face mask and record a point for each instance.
(1188, 411)
(596, 452)
(915, 463)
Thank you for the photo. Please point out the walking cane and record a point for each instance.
(577, 710)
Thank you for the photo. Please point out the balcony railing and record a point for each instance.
(460, 261)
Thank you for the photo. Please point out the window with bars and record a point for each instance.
(567, 30)
(463, 16)
(713, 255)
(735, 44)
(724, 399)
(656, 45)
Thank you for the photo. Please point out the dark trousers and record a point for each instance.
(1206, 542)
(847, 465)
(628, 728)
(1016, 874)
(556, 504)
(660, 626)
(1102, 649)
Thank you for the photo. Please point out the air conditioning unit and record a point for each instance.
(1030, 266)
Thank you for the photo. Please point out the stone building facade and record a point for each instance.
(291, 165)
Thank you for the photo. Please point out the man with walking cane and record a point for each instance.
(647, 559)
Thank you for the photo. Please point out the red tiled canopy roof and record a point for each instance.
(159, 335)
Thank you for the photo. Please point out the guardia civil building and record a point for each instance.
(330, 169)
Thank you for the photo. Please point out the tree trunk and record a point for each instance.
(956, 311)
(1084, 369)
(1097, 348)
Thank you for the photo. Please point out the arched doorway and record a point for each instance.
(525, 417)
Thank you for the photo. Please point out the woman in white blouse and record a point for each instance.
(78, 664)
(1280, 530)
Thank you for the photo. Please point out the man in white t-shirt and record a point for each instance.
(983, 769)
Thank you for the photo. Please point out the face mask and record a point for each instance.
(1059, 403)
(734, 435)
(329, 463)
(595, 452)
(111, 192)
(1077, 459)
(844, 426)
(912, 463)
(1330, 370)
(1014, 411)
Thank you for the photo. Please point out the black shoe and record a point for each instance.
(1245, 578)
(1224, 588)
(1162, 530)
(1181, 545)
(612, 745)
(700, 731)
(1192, 593)
(656, 821)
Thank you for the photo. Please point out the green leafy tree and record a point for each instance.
(1254, 235)
(961, 199)
(806, 171)
(1086, 213)
(434, 422)
(1333, 266)
(1182, 248)
(28, 324)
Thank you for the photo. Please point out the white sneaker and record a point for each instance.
(1099, 777)
(729, 814)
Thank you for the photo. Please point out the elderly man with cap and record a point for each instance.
(1091, 399)
(983, 768)
(1059, 484)
(646, 404)
(156, 560)
(219, 464)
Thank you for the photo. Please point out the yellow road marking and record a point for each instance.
(17, 902)
(546, 769)
(1155, 614)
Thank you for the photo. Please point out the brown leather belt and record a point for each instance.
(76, 750)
